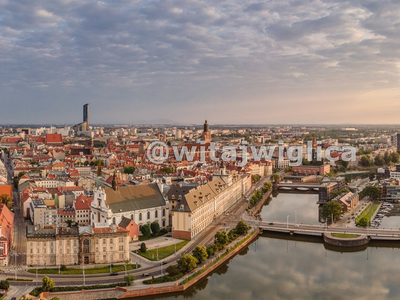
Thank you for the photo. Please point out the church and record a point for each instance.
(142, 204)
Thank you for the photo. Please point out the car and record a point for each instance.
(164, 262)
(270, 223)
(114, 274)
(145, 275)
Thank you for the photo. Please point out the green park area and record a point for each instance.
(365, 217)
(76, 271)
(345, 235)
(163, 252)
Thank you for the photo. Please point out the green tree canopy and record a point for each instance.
(143, 248)
(187, 263)
(331, 208)
(129, 169)
(4, 199)
(221, 237)
(241, 228)
(200, 253)
(47, 284)
(379, 160)
(373, 192)
(395, 157)
(155, 228)
(146, 230)
(4, 285)
(129, 279)
(173, 270)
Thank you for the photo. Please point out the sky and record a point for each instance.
(227, 61)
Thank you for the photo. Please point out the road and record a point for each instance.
(19, 238)
(384, 233)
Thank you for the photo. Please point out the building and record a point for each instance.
(82, 210)
(131, 227)
(64, 215)
(328, 186)
(54, 139)
(203, 204)
(6, 233)
(143, 204)
(206, 136)
(311, 170)
(396, 141)
(391, 191)
(347, 200)
(84, 126)
(41, 214)
(77, 245)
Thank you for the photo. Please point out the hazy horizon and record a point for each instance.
(231, 62)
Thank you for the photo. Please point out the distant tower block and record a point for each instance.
(86, 113)
(206, 136)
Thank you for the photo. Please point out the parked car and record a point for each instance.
(114, 274)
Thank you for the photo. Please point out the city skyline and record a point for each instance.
(318, 62)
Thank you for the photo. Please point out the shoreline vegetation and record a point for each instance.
(96, 270)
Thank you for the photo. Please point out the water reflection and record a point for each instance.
(302, 269)
(303, 206)
(392, 220)
(280, 266)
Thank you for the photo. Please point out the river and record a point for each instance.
(278, 266)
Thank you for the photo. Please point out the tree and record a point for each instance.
(373, 192)
(167, 170)
(395, 157)
(129, 279)
(379, 160)
(344, 163)
(47, 284)
(366, 161)
(275, 178)
(364, 222)
(187, 263)
(241, 228)
(221, 237)
(99, 172)
(4, 199)
(143, 248)
(69, 223)
(371, 175)
(255, 178)
(173, 270)
(331, 208)
(387, 158)
(129, 169)
(200, 253)
(155, 228)
(146, 230)
(4, 285)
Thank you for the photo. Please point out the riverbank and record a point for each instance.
(260, 204)
(172, 287)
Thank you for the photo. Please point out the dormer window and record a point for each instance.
(181, 207)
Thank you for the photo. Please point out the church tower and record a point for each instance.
(115, 182)
(206, 136)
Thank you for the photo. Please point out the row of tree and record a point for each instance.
(258, 195)
(188, 263)
(367, 161)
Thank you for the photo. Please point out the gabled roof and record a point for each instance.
(125, 222)
(134, 197)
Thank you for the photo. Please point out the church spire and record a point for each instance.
(115, 182)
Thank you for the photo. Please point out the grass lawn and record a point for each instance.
(345, 236)
(162, 252)
(96, 270)
(368, 212)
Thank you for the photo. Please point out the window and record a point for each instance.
(132, 217)
(121, 240)
(163, 223)
(113, 221)
(156, 213)
(104, 241)
(163, 212)
(148, 215)
(121, 248)
(140, 217)
(104, 249)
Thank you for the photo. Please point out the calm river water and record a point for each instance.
(278, 266)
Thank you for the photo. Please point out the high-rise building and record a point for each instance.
(86, 113)
(396, 140)
(84, 126)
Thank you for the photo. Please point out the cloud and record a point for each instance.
(176, 52)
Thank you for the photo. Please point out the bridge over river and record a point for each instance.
(310, 229)
(299, 186)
